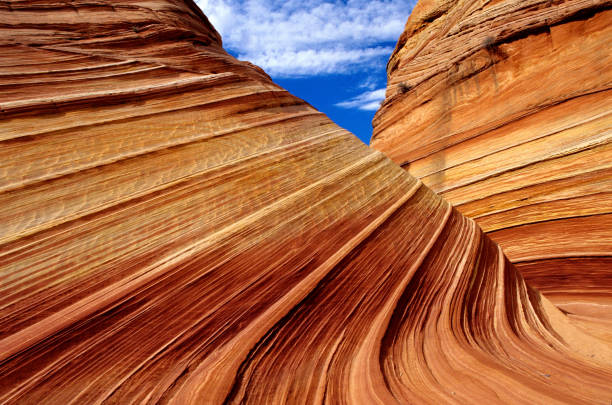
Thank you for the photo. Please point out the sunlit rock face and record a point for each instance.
(175, 228)
(504, 109)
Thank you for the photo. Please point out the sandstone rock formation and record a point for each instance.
(505, 109)
(175, 228)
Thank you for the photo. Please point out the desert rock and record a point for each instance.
(176, 228)
(504, 109)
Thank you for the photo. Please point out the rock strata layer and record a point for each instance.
(505, 109)
(176, 228)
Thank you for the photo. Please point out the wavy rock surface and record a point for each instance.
(505, 109)
(178, 229)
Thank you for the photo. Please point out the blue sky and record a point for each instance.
(330, 53)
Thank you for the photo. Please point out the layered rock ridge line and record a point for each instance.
(176, 228)
(504, 109)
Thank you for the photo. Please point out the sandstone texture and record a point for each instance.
(504, 108)
(176, 228)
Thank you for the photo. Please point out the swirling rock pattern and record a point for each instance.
(505, 109)
(178, 229)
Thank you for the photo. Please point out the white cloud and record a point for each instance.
(368, 101)
(370, 83)
(302, 38)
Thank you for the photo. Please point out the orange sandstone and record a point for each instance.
(504, 109)
(176, 228)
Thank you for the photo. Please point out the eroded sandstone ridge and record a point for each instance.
(175, 228)
(504, 108)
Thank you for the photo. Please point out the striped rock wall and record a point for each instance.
(175, 228)
(504, 108)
